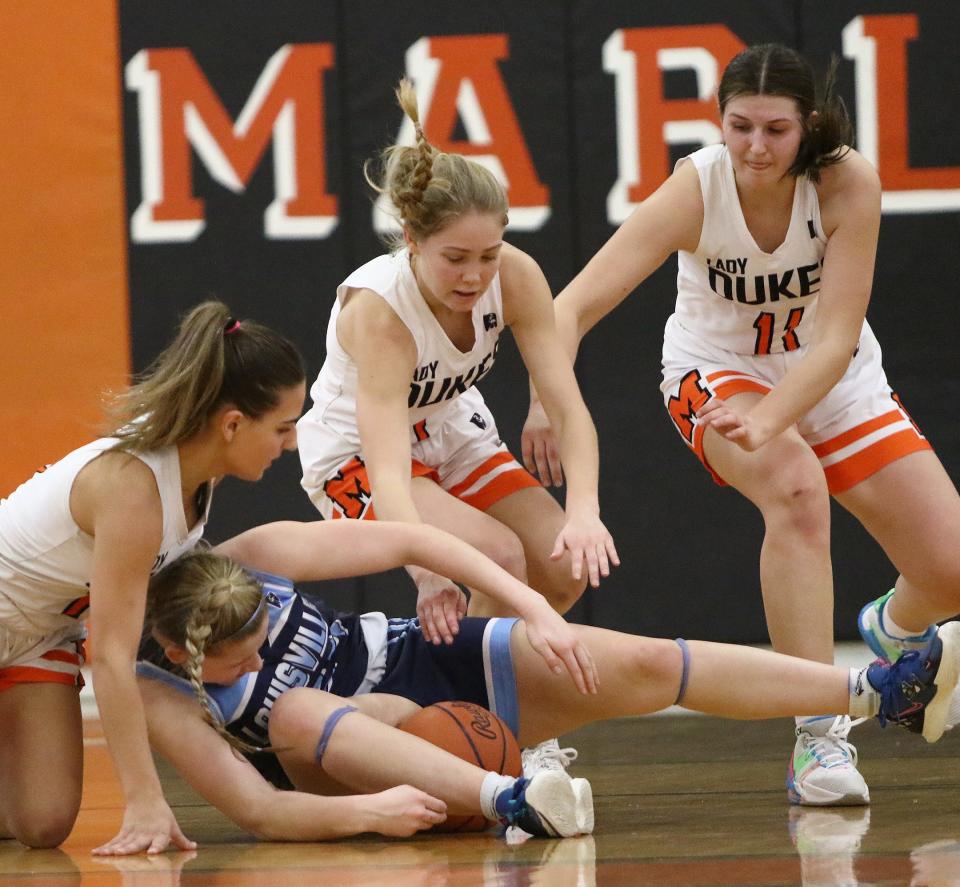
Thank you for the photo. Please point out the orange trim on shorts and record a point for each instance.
(738, 386)
(500, 487)
(858, 467)
(496, 461)
(27, 674)
(862, 430)
(355, 468)
(62, 656)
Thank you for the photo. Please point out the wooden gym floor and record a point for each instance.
(686, 800)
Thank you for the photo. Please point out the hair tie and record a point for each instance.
(231, 326)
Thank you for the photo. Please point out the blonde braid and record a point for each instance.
(428, 188)
(198, 632)
(411, 197)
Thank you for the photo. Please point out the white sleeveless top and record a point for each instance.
(327, 433)
(730, 292)
(45, 558)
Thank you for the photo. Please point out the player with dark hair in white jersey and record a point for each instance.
(773, 377)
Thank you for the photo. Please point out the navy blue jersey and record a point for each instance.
(306, 646)
(310, 646)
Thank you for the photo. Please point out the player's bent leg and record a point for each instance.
(488, 535)
(317, 731)
(920, 534)
(537, 518)
(366, 755)
(785, 482)
(41, 743)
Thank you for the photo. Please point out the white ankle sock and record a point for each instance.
(864, 698)
(493, 784)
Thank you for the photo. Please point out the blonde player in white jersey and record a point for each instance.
(773, 377)
(82, 538)
(397, 427)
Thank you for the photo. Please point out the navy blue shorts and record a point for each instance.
(477, 667)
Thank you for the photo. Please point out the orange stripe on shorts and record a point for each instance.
(61, 656)
(857, 432)
(861, 465)
(27, 674)
(475, 475)
(500, 487)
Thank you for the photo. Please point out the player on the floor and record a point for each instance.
(80, 540)
(773, 377)
(270, 666)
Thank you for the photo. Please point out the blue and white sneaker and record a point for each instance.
(870, 623)
(917, 689)
(823, 769)
(548, 755)
(545, 805)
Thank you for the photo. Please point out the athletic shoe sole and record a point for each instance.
(583, 793)
(938, 709)
(552, 797)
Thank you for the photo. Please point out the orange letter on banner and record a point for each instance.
(179, 109)
(467, 84)
(646, 121)
(878, 44)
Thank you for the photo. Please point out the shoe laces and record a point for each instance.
(832, 749)
(548, 758)
(901, 684)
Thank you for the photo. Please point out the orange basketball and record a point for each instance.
(474, 734)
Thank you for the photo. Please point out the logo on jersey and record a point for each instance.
(490, 321)
(728, 279)
(349, 489)
(479, 421)
(425, 392)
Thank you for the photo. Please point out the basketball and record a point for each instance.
(474, 734)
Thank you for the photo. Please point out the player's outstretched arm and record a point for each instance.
(318, 550)
(232, 784)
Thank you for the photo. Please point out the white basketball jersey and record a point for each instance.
(442, 373)
(733, 294)
(45, 558)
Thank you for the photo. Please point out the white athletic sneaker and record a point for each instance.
(544, 805)
(823, 770)
(953, 713)
(548, 756)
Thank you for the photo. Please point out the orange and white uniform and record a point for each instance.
(45, 563)
(743, 317)
(453, 436)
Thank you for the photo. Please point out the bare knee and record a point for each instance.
(795, 501)
(561, 589)
(654, 660)
(298, 715)
(41, 827)
(505, 549)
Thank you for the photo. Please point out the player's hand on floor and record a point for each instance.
(560, 646)
(589, 543)
(440, 607)
(538, 446)
(146, 827)
(402, 811)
